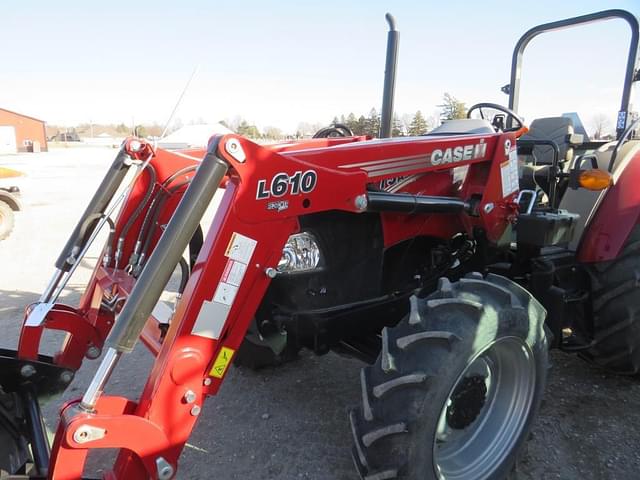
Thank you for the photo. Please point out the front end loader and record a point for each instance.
(448, 262)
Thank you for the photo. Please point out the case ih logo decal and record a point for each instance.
(282, 183)
(400, 165)
(458, 154)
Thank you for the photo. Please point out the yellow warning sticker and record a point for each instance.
(222, 362)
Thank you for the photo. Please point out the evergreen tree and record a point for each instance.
(246, 130)
(373, 123)
(352, 123)
(361, 126)
(396, 129)
(418, 124)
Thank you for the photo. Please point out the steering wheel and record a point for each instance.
(334, 130)
(499, 121)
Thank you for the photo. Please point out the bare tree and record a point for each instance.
(452, 108)
(601, 124)
(273, 133)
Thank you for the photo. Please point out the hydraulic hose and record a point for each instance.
(106, 260)
(184, 270)
(152, 209)
(136, 213)
(162, 198)
(168, 252)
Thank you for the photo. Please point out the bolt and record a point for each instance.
(93, 352)
(361, 202)
(165, 473)
(189, 396)
(195, 410)
(271, 272)
(27, 371)
(66, 376)
(87, 433)
(164, 468)
(234, 149)
(488, 207)
(135, 146)
(207, 382)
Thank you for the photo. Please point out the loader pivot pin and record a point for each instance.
(165, 470)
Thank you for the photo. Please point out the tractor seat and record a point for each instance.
(557, 129)
(534, 166)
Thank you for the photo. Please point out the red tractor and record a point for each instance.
(450, 262)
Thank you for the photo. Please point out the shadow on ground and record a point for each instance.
(291, 422)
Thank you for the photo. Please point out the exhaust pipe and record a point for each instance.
(393, 37)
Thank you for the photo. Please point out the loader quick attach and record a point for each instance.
(449, 262)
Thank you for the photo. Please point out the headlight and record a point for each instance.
(300, 254)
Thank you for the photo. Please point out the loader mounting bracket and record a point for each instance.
(47, 378)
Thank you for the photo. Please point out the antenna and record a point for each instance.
(175, 108)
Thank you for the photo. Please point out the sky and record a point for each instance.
(280, 63)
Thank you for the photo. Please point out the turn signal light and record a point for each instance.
(595, 179)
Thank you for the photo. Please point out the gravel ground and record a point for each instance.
(290, 422)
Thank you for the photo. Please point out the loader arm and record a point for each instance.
(236, 263)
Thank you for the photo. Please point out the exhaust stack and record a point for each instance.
(386, 122)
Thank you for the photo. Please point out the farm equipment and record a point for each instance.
(449, 262)
(9, 201)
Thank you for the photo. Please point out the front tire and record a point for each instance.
(7, 220)
(14, 449)
(456, 386)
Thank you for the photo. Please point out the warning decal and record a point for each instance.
(240, 248)
(509, 174)
(214, 313)
(234, 272)
(225, 293)
(222, 362)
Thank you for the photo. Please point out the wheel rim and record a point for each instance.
(485, 411)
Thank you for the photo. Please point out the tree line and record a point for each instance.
(417, 124)
(404, 125)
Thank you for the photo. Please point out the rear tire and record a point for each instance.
(616, 310)
(456, 386)
(7, 220)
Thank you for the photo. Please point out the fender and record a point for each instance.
(11, 200)
(615, 217)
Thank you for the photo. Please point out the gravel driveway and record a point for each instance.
(290, 422)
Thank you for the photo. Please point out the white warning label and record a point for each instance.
(213, 314)
(234, 272)
(509, 174)
(225, 293)
(240, 248)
